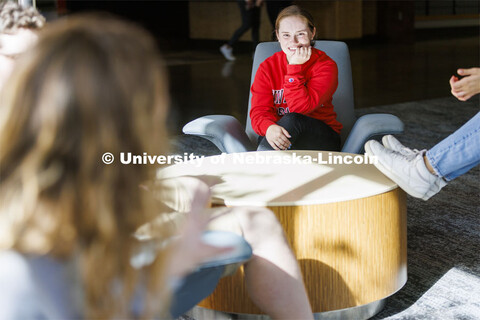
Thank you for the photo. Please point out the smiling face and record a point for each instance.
(293, 32)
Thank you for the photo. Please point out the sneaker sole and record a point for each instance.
(392, 176)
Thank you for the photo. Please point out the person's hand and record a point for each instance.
(258, 3)
(468, 86)
(300, 56)
(249, 4)
(277, 137)
(190, 251)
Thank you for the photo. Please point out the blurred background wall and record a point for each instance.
(180, 21)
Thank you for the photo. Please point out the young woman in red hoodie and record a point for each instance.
(293, 89)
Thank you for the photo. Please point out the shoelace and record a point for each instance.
(410, 152)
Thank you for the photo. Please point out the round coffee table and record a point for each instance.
(345, 221)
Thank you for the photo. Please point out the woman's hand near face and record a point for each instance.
(300, 56)
(277, 137)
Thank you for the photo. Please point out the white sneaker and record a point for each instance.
(227, 52)
(390, 142)
(409, 172)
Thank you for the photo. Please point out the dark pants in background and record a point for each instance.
(250, 19)
(274, 7)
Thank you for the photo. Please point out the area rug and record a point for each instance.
(454, 296)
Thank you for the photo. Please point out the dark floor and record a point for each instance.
(202, 82)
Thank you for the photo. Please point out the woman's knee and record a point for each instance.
(292, 122)
(260, 225)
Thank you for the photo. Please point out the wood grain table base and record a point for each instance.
(351, 253)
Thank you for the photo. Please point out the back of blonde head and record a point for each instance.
(92, 84)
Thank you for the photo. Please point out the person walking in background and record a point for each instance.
(250, 11)
(422, 174)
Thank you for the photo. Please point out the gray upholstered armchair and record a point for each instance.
(229, 136)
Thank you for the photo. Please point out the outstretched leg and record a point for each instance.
(273, 278)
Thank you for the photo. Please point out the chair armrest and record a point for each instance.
(146, 252)
(194, 288)
(224, 131)
(242, 251)
(371, 125)
(201, 283)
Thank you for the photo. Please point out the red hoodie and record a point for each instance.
(280, 88)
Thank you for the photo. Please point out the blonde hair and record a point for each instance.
(13, 16)
(296, 11)
(92, 84)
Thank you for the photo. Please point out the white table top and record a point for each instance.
(285, 178)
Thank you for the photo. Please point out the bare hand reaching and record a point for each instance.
(189, 251)
(468, 86)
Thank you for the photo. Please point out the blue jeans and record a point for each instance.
(457, 153)
(306, 134)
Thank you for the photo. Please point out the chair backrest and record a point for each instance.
(343, 97)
